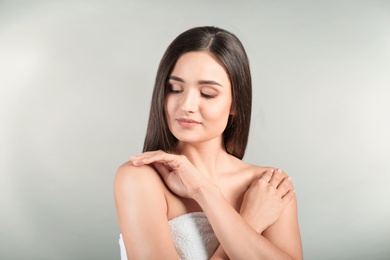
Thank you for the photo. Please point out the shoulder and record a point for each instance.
(130, 179)
(138, 189)
(251, 170)
(258, 171)
(127, 172)
(242, 173)
(141, 206)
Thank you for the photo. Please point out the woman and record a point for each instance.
(189, 195)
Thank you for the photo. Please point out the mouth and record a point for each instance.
(187, 120)
(187, 123)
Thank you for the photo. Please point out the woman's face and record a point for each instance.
(199, 98)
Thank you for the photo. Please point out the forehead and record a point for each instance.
(200, 65)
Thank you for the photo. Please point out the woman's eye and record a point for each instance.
(205, 95)
(175, 90)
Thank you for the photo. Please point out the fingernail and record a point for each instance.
(272, 170)
(280, 170)
(289, 178)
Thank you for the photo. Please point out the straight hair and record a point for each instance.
(229, 51)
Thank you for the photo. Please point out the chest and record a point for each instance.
(233, 190)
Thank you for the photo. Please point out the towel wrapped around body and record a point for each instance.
(192, 235)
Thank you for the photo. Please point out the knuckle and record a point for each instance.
(288, 186)
(261, 181)
(265, 175)
(282, 173)
(288, 181)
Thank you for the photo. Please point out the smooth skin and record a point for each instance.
(251, 209)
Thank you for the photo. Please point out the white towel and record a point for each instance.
(192, 235)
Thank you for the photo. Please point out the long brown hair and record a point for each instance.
(226, 48)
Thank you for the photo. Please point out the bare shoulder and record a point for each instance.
(127, 174)
(140, 198)
(251, 170)
(258, 170)
(138, 190)
(137, 181)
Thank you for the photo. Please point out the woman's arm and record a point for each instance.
(142, 213)
(266, 209)
(284, 233)
(241, 241)
(238, 238)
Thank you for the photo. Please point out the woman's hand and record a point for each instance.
(180, 175)
(266, 199)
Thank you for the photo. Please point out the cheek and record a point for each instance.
(220, 111)
(169, 109)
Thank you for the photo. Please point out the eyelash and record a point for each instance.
(207, 96)
(175, 91)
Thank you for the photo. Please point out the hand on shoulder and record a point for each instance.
(178, 173)
(266, 198)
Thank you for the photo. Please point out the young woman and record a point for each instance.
(189, 195)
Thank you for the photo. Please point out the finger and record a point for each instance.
(284, 186)
(155, 156)
(266, 177)
(277, 178)
(144, 155)
(288, 196)
(169, 159)
(162, 170)
(137, 160)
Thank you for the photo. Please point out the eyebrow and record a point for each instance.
(201, 82)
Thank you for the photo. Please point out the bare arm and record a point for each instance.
(284, 233)
(141, 210)
(238, 238)
(272, 216)
(241, 241)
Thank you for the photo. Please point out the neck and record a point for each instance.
(208, 158)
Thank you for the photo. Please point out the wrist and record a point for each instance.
(205, 193)
(254, 223)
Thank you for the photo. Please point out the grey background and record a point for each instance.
(75, 86)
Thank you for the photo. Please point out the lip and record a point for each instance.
(187, 122)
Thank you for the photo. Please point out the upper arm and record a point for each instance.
(284, 233)
(142, 213)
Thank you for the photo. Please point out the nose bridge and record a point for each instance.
(190, 100)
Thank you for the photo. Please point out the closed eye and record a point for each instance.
(174, 89)
(208, 96)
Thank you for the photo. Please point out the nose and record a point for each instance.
(190, 102)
